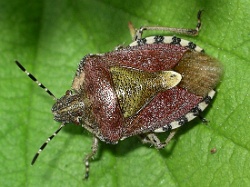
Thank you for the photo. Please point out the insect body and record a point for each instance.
(154, 85)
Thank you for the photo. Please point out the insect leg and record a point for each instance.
(170, 136)
(190, 32)
(90, 156)
(152, 139)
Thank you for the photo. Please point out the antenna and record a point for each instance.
(46, 143)
(52, 95)
(35, 80)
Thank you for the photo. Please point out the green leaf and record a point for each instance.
(50, 37)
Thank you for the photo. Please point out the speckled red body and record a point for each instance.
(163, 109)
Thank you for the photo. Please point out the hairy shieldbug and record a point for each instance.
(156, 84)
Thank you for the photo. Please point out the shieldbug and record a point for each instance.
(154, 85)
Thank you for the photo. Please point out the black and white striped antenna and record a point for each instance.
(46, 143)
(33, 78)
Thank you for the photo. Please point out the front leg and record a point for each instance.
(94, 149)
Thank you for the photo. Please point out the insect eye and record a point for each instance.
(68, 92)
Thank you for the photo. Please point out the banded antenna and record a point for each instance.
(46, 143)
(33, 78)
